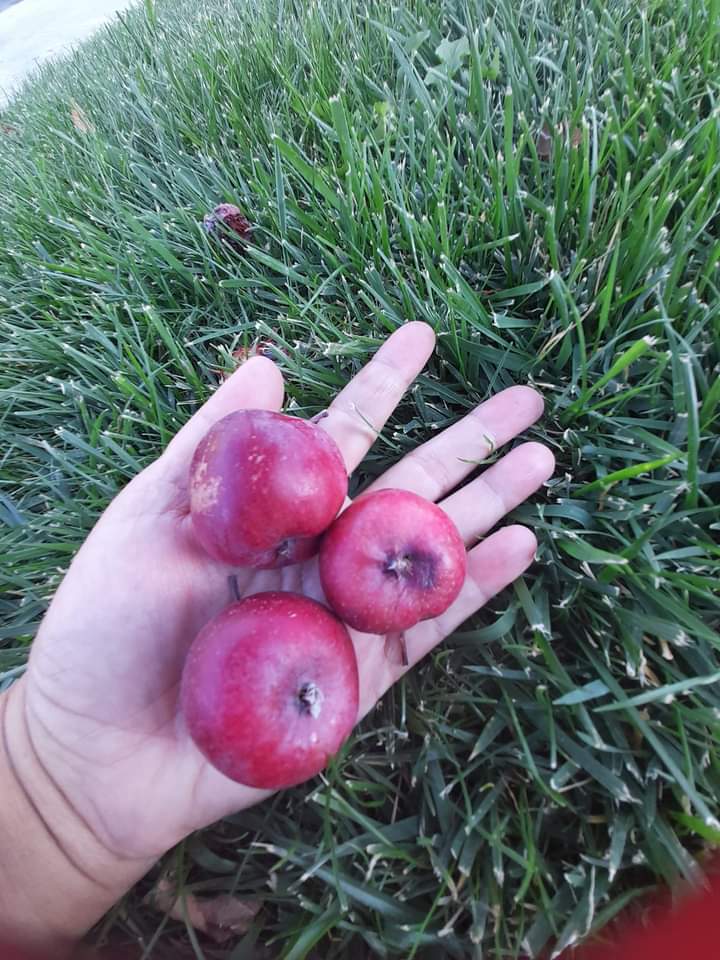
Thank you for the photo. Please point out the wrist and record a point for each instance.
(56, 877)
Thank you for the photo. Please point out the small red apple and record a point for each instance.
(270, 689)
(390, 560)
(263, 486)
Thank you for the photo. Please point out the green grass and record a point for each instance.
(540, 181)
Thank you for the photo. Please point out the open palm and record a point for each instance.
(100, 698)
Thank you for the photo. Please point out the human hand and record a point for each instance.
(97, 710)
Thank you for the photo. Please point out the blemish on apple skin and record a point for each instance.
(205, 494)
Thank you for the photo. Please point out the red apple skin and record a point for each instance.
(269, 690)
(390, 560)
(263, 486)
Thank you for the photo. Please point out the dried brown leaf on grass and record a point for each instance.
(544, 140)
(544, 143)
(220, 917)
(79, 119)
(261, 348)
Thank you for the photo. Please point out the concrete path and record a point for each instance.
(32, 31)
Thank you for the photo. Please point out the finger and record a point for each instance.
(360, 410)
(436, 467)
(257, 385)
(481, 504)
(492, 565)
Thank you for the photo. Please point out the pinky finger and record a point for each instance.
(492, 565)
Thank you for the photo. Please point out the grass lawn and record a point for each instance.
(540, 181)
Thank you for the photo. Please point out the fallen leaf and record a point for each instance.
(220, 917)
(544, 143)
(544, 140)
(415, 40)
(649, 675)
(79, 119)
(228, 915)
(453, 53)
(636, 735)
(260, 348)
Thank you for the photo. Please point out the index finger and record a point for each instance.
(257, 384)
(358, 413)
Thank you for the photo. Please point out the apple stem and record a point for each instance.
(403, 650)
(234, 587)
(283, 551)
(399, 639)
(311, 698)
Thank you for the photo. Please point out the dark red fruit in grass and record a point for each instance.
(263, 486)
(390, 560)
(270, 689)
(228, 222)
